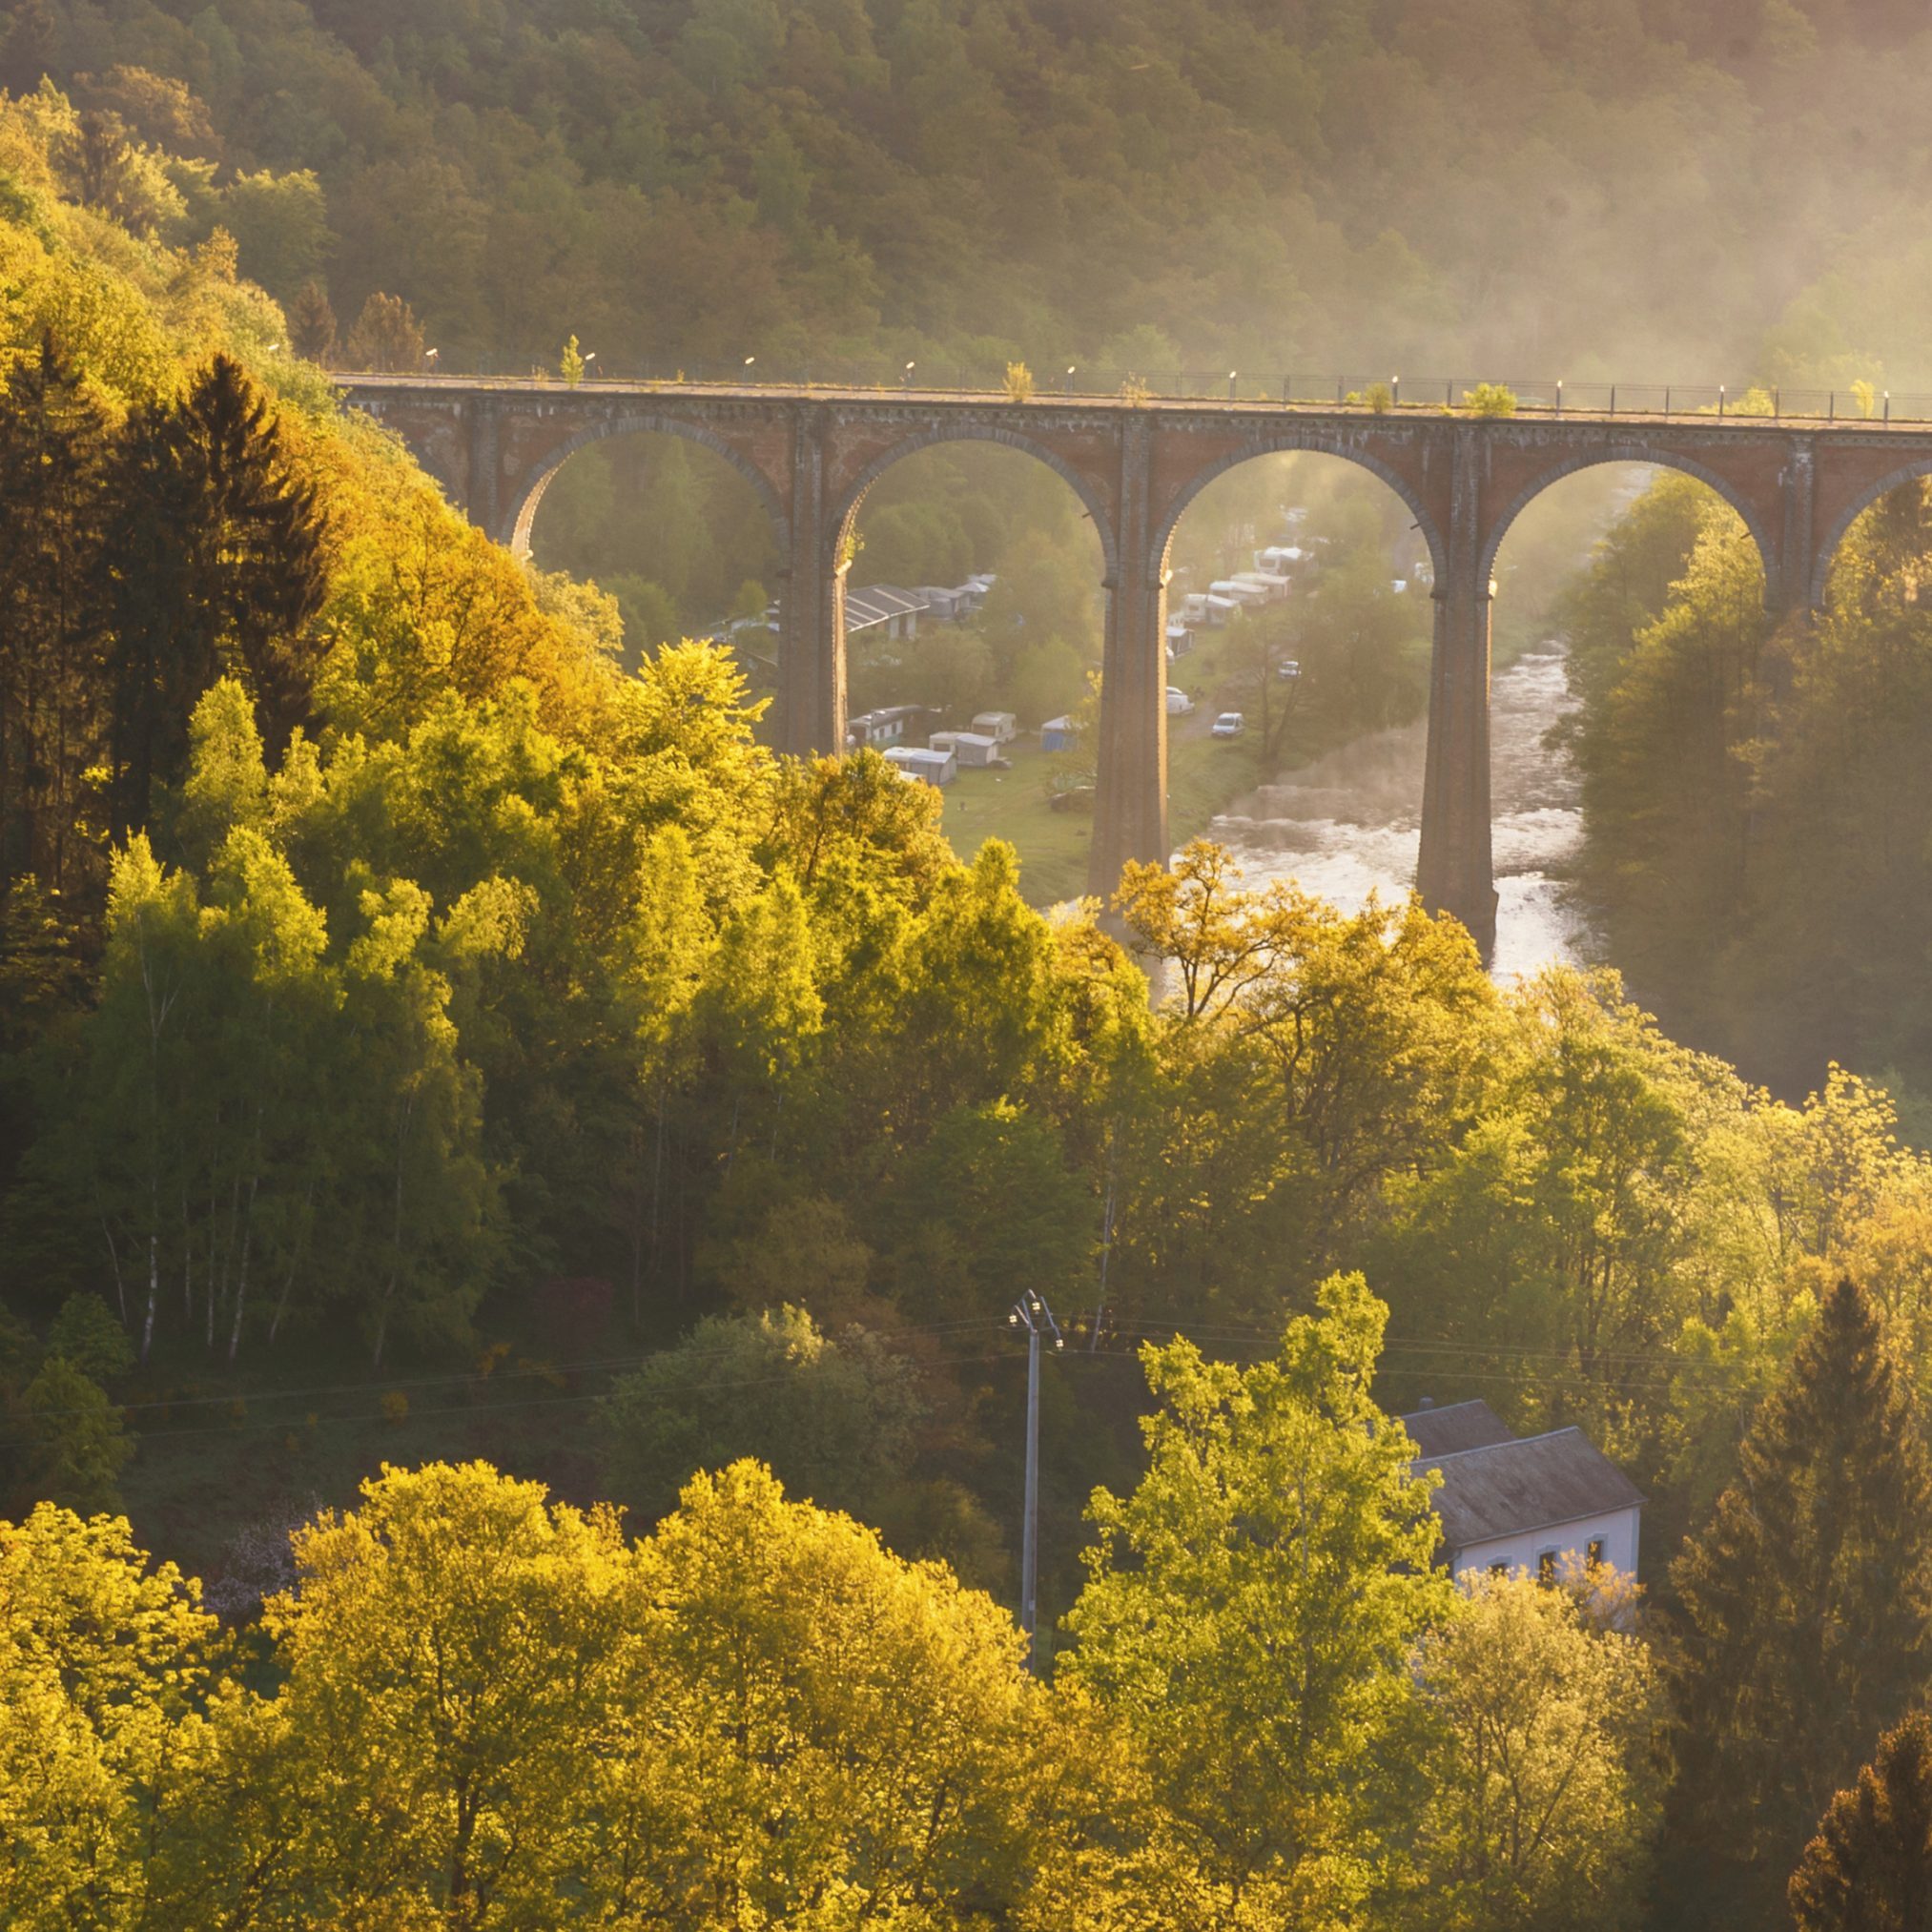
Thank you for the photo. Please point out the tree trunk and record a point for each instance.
(241, 1279)
(294, 1261)
(114, 1261)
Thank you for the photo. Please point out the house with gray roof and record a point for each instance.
(1509, 1502)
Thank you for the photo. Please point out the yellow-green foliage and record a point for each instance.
(417, 599)
(1489, 398)
(1541, 1715)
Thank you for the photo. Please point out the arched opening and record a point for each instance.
(1634, 668)
(678, 532)
(1864, 520)
(1300, 599)
(975, 610)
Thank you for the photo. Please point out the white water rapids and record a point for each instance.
(1348, 824)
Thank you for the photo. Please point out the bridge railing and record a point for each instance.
(1542, 396)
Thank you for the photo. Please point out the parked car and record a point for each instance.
(1179, 702)
(1288, 667)
(1229, 724)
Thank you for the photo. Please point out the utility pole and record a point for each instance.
(1032, 1313)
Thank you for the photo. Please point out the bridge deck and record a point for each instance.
(617, 390)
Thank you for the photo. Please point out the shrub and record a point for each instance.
(1019, 382)
(1489, 398)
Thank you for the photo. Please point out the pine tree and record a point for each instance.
(312, 323)
(1808, 1604)
(218, 568)
(54, 466)
(1869, 1870)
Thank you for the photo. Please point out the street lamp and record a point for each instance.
(589, 360)
(1032, 1313)
(429, 355)
(1071, 366)
(906, 381)
(1230, 385)
(749, 361)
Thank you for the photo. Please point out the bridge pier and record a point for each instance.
(1130, 779)
(1456, 871)
(812, 608)
(482, 461)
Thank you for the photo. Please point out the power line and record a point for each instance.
(485, 1378)
(478, 1411)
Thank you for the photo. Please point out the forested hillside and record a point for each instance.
(456, 1084)
(1758, 796)
(1661, 188)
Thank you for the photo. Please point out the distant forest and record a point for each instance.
(1690, 190)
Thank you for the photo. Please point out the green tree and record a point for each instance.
(1869, 1870)
(1049, 679)
(1251, 1610)
(987, 1211)
(1806, 1603)
(312, 323)
(56, 461)
(444, 1664)
(77, 1444)
(281, 226)
(842, 1733)
(386, 337)
(85, 1334)
(832, 1414)
(102, 1661)
(1542, 1796)
(217, 566)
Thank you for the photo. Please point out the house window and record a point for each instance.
(1596, 1554)
(1499, 1570)
(1546, 1569)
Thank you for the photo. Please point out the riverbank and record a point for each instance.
(1348, 824)
(1205, 777)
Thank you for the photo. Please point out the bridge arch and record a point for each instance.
(520, 518)
(845, 510)
(1636, 453)
(1841, 526)
(1291, 443)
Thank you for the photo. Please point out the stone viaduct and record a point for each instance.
(1136, 465)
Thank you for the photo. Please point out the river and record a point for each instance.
(1350, 823)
